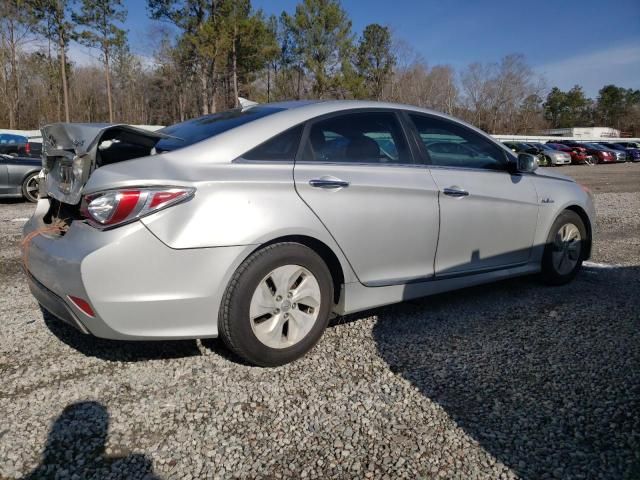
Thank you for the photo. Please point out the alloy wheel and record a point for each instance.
(31, 188)
(285, 306)
(566, 248)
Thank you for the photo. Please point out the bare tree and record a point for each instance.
(97, 19)
(16, 23)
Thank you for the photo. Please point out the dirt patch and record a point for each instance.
(616, 178)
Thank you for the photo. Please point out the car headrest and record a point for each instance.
(363, 148)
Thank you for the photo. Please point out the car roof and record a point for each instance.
(236, 141)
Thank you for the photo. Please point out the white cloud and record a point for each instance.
(618, 65)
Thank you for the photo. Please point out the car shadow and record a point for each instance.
(546, 379)
(76, 446)
(116, 350)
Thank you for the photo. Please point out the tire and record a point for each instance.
(564, 251)
(278, 330)
(30, 187)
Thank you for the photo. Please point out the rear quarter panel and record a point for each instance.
(243, 204)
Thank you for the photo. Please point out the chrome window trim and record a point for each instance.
(471, 169)
(241, 160)
(361, 164)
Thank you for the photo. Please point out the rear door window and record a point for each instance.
(282, 147)
(363, 137)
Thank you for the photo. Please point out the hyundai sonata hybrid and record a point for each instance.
(259, 224)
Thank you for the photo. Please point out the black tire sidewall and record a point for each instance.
(549, 273)
(234, 322)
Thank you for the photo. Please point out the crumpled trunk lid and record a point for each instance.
(72, 151)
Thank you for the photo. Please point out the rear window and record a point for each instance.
(198, 129)
(8, 139)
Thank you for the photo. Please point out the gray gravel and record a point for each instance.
(511, 380)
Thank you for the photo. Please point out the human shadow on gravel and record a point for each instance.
(115, 350)
(75, 448)
(546, 379)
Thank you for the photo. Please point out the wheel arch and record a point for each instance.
(587, 224)
(323, 250)
(28, 173)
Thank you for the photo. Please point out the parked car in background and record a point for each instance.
(632, 154)
(521, 147)
(620, 153)
(599, 153)
(629, 144)
(551, 155)
(20, 146)
(19, 177)
(578, 155)
(257, 224)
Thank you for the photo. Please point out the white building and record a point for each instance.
(583, 132)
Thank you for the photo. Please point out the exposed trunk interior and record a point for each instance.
(71, 152)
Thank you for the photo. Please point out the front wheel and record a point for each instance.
(564, 251)
(277, 304)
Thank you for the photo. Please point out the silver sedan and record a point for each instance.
(259, 224)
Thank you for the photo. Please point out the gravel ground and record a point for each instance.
(510, 380)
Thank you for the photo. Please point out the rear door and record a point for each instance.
(488, 216)
(356, 172)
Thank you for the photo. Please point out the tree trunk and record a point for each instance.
(268, 83)
(234, 58)
(15, 93)
(108, 79)
(63, 74)
(203, 90)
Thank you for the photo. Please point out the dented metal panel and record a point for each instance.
(72, 151)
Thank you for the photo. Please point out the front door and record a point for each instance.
(357, 174)
(488, 215)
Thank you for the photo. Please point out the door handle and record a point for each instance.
(455, 192)
(328, 183)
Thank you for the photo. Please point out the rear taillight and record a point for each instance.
(111, 208)
(27, 148)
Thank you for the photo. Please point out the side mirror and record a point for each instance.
(526, 163)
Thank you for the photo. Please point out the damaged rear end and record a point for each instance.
(84, 270)
(72, 152)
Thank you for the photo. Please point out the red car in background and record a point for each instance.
(579, 155)
(599, 153)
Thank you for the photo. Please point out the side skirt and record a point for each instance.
(356, 297)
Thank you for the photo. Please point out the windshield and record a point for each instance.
(197, 129)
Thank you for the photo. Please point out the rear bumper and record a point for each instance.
(54, 304)
(138, 287)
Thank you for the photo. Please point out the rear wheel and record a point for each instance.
(565, 249)
(277, 304)
(30, 187)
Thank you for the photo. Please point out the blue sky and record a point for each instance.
(588, 42)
